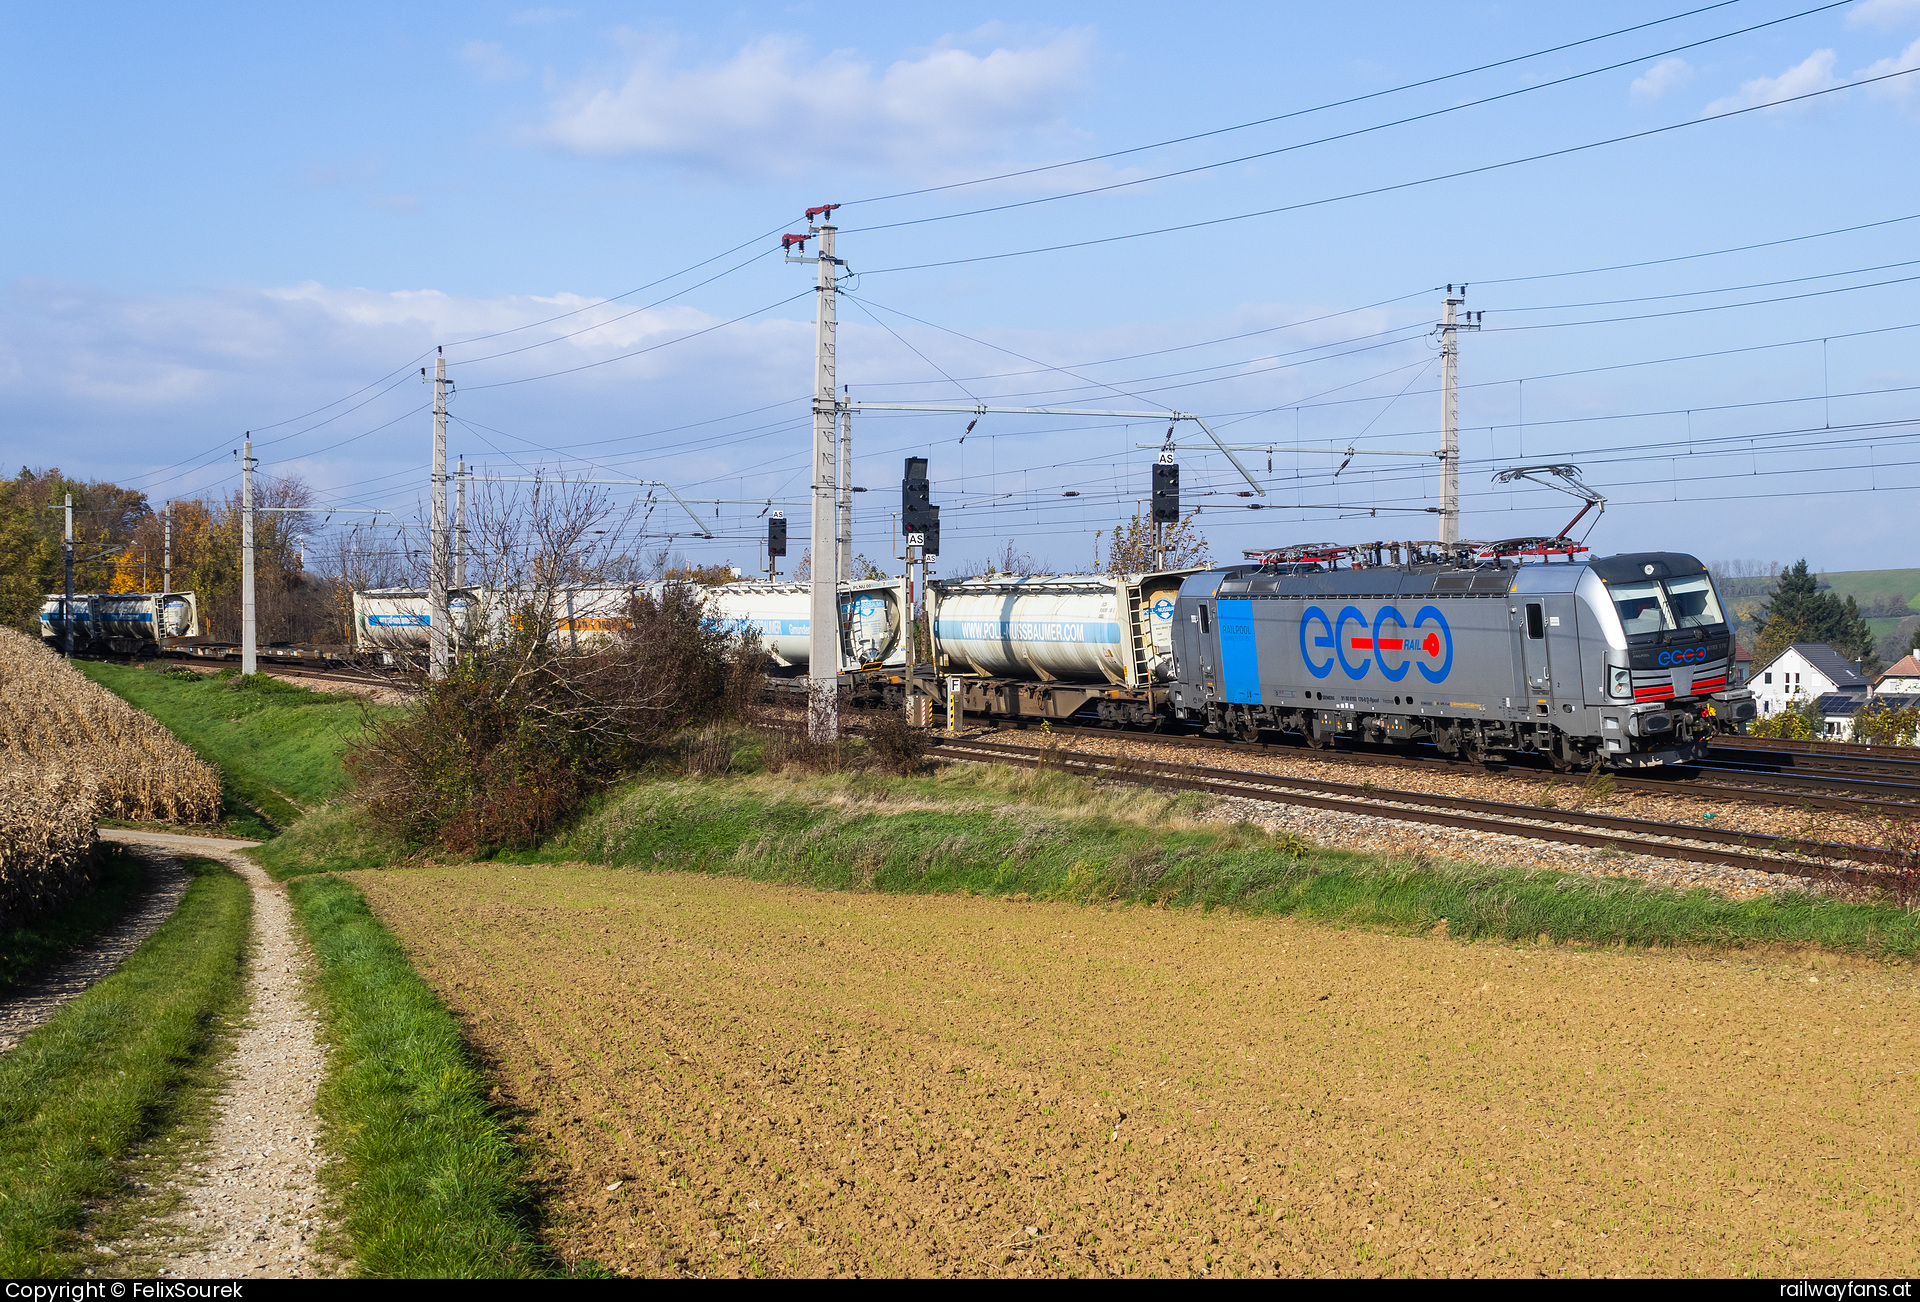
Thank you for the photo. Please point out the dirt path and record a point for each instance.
(735, 1078)
(250, 1195)
(32, 1004)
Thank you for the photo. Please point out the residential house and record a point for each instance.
(1812, 671)
(1902, 678)
(1742, 667)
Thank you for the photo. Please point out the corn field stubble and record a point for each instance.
(72, 752)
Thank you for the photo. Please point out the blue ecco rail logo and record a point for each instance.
(1378, 640)
(1684, 656)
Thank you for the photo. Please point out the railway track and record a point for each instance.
(1802, 792)
(279, 668)
(1629, 835)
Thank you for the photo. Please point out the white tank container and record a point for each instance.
(870, 620)
(1072, 628)
(124, 617)
(397, 619)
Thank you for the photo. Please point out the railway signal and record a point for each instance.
(776, 539)
(915, 500)
(1166, 490)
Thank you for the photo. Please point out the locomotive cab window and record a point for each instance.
(1536, 625)
(1653, 607)
(1205, 625)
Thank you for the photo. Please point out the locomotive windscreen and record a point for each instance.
(1655, 605)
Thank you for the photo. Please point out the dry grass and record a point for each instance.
(72, 752)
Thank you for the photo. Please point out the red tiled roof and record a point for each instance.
(1905, 667)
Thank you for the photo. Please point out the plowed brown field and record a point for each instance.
(733, 1078)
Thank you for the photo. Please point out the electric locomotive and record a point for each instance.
(1620, 660)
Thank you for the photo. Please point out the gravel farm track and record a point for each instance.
(730, 1078)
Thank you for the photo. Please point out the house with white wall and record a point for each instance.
(1902, 678)
(1808, 671)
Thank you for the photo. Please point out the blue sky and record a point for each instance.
(226, 217)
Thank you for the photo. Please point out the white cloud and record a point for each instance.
(1883, 14)
(1661, 78)
(1813, 73)
(1902, 89)
(770, 110)
(491, 62)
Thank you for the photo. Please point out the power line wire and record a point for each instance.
(1282, 117)
(1398, 185)
(1337, 136)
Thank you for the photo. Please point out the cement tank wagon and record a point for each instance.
(399, 620)
(871, 622)
(1068, 628)
(124, 622)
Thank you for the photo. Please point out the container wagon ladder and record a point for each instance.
(1142, 644)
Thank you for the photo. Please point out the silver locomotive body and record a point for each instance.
(1621, 660)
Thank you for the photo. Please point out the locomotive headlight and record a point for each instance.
(1619, 681)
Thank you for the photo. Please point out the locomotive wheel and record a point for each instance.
(1249, 733)
(1561, 764)
(1315, 739)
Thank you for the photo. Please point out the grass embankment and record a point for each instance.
(24, 951)
(969, 828)
(1057, 836)
(430, 1182)
(80, 1091)
(277, 745)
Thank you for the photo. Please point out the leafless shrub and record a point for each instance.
(896, 745)
(708, 754)
(792, 750)
(1900, 838)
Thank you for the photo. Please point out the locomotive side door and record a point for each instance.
(1535, 658)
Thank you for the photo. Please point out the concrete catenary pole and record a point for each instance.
(823, 636)
(66, 553)
(249, 645)
(166, 551)
(460, 525)
(437, 528)
(1450, 327)
(844, 543)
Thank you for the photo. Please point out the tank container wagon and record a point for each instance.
(1516, 647)
(872, 622)
(126, 623)
(1052, 646)
(396, 622)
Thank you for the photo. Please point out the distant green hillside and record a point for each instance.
(1874, 587)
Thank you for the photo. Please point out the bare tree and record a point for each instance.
(1010, 559)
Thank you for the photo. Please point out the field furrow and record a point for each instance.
(735, 1078)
